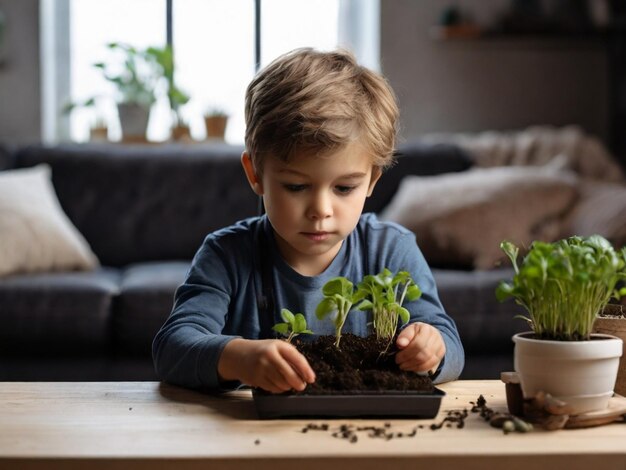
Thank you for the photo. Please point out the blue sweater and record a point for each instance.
(218, 300)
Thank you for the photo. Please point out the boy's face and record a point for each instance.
(313, 203)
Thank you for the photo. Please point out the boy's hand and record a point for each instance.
(421, 348)
(271, 364)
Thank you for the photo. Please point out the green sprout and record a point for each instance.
(563, 285)
(384, 294)
(339, 296)
(293, 325)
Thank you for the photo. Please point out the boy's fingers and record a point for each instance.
(423, 361)
(299, 363)
(293, 368)
(405, 337)
(417, 342)
(286, 378)
(280, 382)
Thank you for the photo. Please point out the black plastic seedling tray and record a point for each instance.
(389, 404)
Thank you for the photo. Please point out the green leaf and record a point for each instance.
(325, 307)
(287, 316)
(504, 291)
(365, 305)
(282, 328)
(405, 316)
(299, 323)
(401, 278)
(335, 286)
(413, 293)
(511, 251)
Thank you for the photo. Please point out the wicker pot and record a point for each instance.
(613, 322)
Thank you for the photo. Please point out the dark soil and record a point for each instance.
(357, 367)
(613, 311)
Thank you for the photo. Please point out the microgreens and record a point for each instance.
(339, 296)
(563, 285)
(384, 294)
(293, 325)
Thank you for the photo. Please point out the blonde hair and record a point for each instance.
(316, 103)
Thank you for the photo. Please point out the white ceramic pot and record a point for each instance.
(580, 373)
(133, 119)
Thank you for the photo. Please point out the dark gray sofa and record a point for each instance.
(145, 210)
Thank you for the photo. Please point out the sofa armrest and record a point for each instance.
(7, 157)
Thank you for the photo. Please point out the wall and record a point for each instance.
(468, 86)
(442, 86)
(20, 97)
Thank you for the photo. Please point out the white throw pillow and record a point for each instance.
(35, 233)
(460, 219)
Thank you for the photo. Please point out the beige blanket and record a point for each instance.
(584, 154)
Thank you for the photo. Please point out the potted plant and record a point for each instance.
(355, 376)
(135, 75)
(176, 97)
(215, 121)
(563, 285)
(98, 129)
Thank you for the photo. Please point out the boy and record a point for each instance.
(320, 129)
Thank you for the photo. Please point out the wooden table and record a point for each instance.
(156, 426)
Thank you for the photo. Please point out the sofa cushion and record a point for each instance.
(144, 203)
(58, 312)
(601, 209)
(145, 302)
(35, 233)
(460, 219)
(416, 158)
(484, 324)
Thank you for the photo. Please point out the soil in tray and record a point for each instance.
(357, 367)
(613, 311)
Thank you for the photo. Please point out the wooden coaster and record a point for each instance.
(616, 411)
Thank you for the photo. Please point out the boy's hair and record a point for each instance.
(316, 103)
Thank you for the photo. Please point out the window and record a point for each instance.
(93, 24)
(214, 47)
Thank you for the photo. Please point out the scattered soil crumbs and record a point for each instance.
(456, 418)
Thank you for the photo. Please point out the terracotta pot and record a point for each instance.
(215, 126)
(616, 326)
(580, 373)
(99, 134)
(181, 133)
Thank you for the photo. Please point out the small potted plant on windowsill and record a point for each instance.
(355, 376)
(135, 74)
(176, 97)
(98, 130)
(215, 121)
(563, 285)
